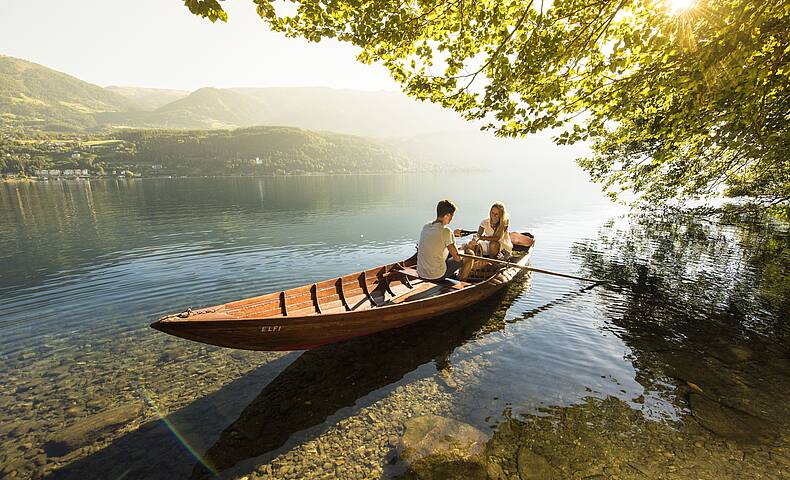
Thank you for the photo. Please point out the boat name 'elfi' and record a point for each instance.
(271, 328)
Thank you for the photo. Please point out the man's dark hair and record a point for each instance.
(444, 207)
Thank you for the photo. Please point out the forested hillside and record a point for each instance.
(36, 96)
(246, 151)
(262, 150)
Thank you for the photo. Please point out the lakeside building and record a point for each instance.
(76, 172)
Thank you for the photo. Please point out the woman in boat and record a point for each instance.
(493, 239)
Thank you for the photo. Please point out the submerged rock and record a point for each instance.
(442, 448)
(532, 466)
(726, 421)
(445, 466)
(88, 430)
(432, 434)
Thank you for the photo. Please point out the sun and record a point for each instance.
(677, 7)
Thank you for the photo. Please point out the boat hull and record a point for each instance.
(310, 331)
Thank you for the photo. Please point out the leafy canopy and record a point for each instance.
(675, 104)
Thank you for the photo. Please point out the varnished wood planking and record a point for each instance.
(331, 310)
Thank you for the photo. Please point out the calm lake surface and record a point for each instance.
(677, 368)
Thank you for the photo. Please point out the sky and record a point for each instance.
(160, 44)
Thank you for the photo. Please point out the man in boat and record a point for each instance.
(436, 241)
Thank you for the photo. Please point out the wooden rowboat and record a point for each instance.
(338, 309)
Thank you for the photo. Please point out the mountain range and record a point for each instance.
(36, 96)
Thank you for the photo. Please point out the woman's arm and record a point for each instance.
(505, 233)
(494, 237)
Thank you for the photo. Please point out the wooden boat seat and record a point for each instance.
(414, 294)
(412, 273)
(423, 290)
(427, 289)
(408, 271)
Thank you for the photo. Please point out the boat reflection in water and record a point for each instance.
(326, 379)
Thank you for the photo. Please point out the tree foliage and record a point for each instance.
(279, 149)
(675, 104)
(243, 151)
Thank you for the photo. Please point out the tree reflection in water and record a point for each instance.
(703, 306)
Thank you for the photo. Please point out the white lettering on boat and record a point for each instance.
(271, 328)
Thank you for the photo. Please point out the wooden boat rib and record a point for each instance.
(338, 309)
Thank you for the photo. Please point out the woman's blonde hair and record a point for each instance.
(504, 220)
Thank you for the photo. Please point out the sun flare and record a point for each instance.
(676, 7)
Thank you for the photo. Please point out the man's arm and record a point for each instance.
(454, 252)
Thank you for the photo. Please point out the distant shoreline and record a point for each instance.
(175, 177)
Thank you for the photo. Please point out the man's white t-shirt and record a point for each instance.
(432, 250)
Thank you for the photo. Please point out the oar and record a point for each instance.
(531, 269)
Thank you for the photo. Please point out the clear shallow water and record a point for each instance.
(85, 267)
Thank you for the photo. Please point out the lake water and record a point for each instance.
(680, 364)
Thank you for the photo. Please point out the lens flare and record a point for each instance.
(150, 402)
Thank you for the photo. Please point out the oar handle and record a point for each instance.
(531, 269)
